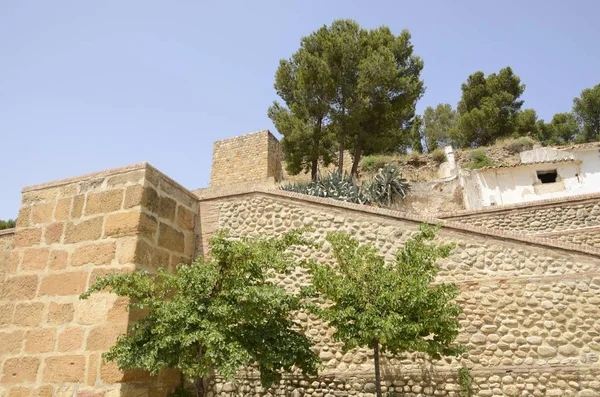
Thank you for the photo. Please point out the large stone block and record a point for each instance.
(40, 340)
(28, 314)
(97, 254)
(130, 224)
(185, 218)
(42, 213)
(68, 283)
(87, 230)
(12, 342)
(60, 313)
(54, 232)
(171, 238)
(28, 237)
(19, 287)
(58, 259)
(35, 258)
(21, 369)
(63, 369)
(103, 202)
(70, 339)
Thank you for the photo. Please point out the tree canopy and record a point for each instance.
(437, 123)
(7, 224)
(586, 109)
(389, 307)
(488, 108)
(346, 88)
(219, 314)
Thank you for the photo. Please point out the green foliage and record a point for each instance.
(466, 382)
(439, 155)
(385, 188)
(480, 159)
(562, 130)
(8, 224)
(438, 122)
(488, 108)
(587, 112)
(346, 84)
(518, 145)
(219, 314)
(526, 123)
(395, 306)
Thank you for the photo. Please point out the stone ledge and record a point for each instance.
(518, 237)
(570, 231)
(7, 232)
(85, 177)
(531, 204)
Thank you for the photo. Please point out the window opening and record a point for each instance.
(547, 176)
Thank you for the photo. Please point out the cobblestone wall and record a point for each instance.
(530, 320)
(533, 218)
(585, 237)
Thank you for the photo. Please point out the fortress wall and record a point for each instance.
(7, 243)
(67, 233)
(245, 158)
(545, 216)
(530, 320)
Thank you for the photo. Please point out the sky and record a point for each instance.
(86, 86)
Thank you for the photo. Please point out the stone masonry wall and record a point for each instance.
(585, 237)
(531, 311)
(245, 158)
(7, 242)
(67, 233)
(535, 218)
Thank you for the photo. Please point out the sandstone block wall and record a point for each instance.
(536, 218)
(245, 158)
(531, 311)
(67, 233)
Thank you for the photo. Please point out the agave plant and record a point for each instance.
(387, 186)
(384, 189)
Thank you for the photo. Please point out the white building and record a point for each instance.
(542, 173)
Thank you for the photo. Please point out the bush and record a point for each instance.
(439, 156)
(479, 159)
(519, 144)
(373, 162)
(9, 224)
(386, 187)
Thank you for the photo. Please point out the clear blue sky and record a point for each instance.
(86, 86)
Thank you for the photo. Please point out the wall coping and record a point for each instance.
(85, 177)
(109, 172)
(243, 135)
(531, 204)
(7, 232)
(386, 213)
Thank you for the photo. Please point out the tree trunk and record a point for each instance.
(357, 153)
(341, 156)
(377, 375)
(199, 386)
(314, 172)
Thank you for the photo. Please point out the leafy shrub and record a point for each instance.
(386, 187)
(479, 159)
(373, 162)
(439, 155)
(519, 144)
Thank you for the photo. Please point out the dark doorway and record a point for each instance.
(547, 176)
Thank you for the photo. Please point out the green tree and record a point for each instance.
(361, 85)
(392, 308)
(587, 111)
(438, 122)
(388, 87)
(305, 84)
(219, 314)
(526, 123)
(8, 224)
(563, 129)
(416, 135)
(488, 108)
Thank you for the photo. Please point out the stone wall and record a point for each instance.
(7, 242)
(67, 233)
(539, 217)
(531, 309)
(244, 158)
(585, 237)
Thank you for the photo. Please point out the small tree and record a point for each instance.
(8, 224)
(219, 314)
(389, 307)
